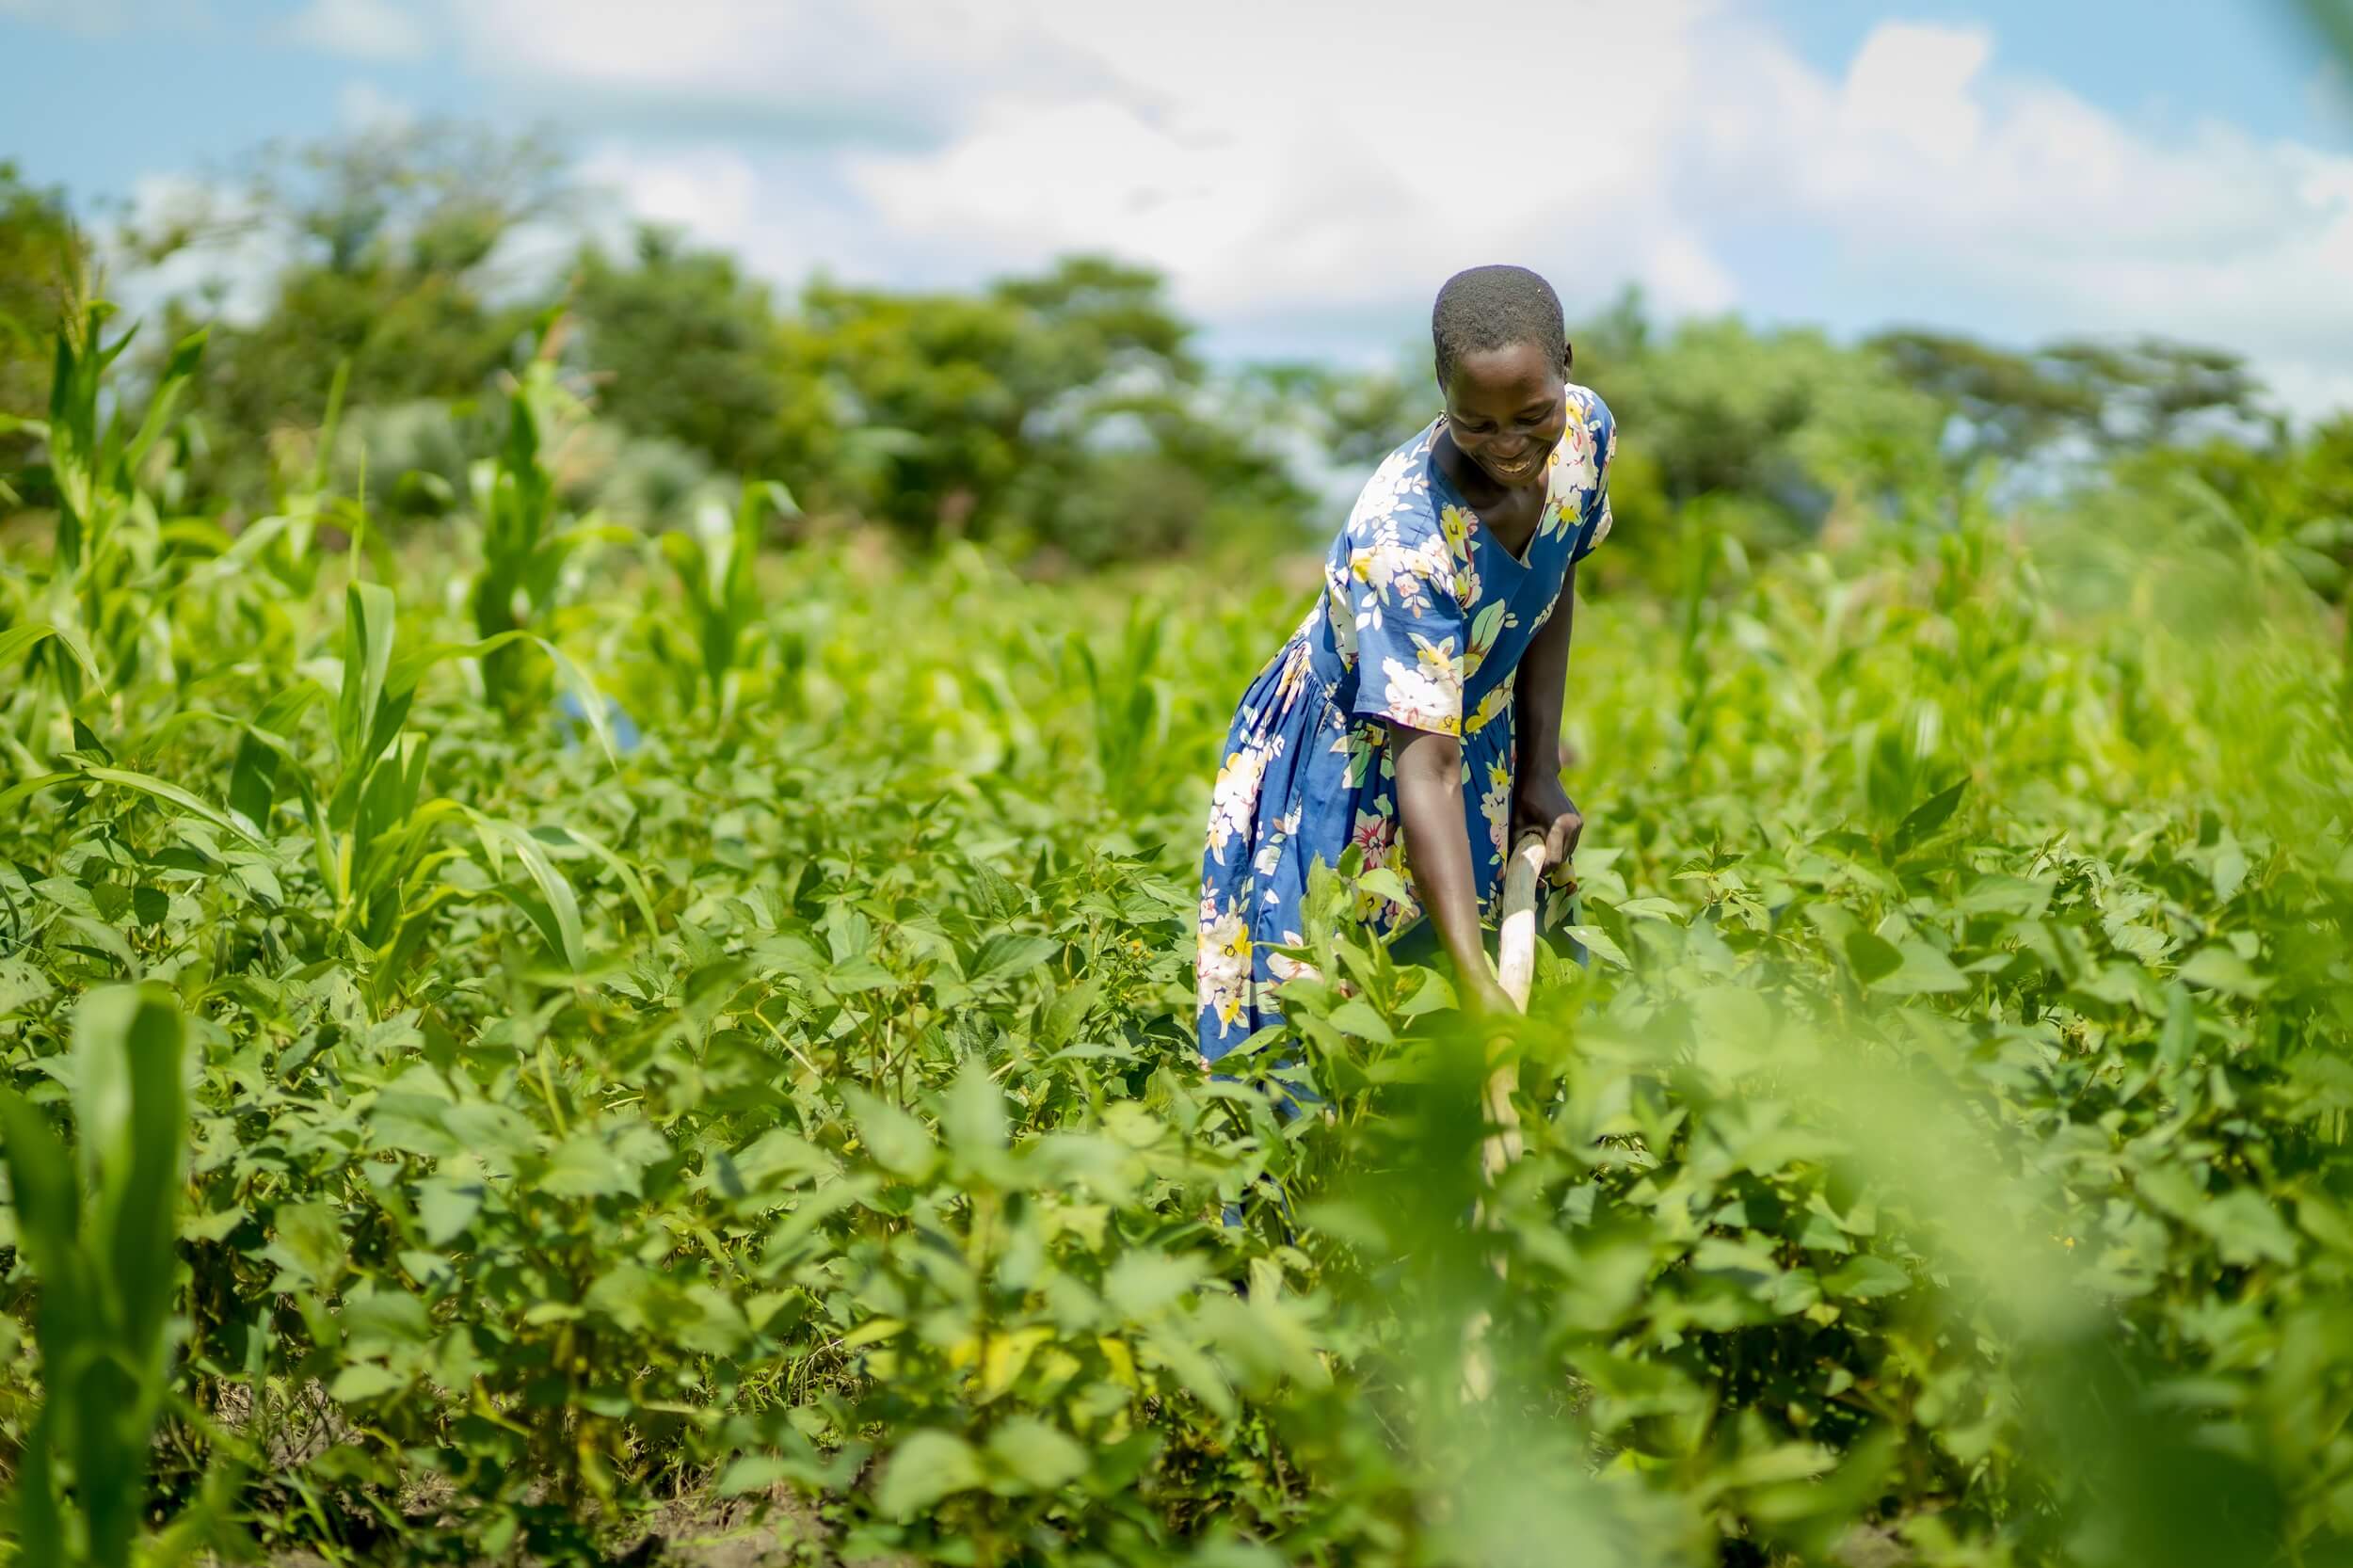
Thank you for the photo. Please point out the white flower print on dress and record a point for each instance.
(1222, 965)
(1428, 694)
(1575, 468)
(1282, 966)
(1398, 480)
(1297, 665)
(1234, 798)
(1271, 853)
(1341, 619)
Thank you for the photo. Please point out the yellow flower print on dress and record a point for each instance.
(1454, 522)
(1495, 806)
(1497, 700)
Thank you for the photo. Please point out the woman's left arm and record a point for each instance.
(1538, 799)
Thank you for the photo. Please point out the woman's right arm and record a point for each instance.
(1439, 857)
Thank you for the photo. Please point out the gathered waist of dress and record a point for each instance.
(1309, 659)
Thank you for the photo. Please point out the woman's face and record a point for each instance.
(1507, 408)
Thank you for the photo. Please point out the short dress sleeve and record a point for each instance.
(1581, 478)
(1412, 636)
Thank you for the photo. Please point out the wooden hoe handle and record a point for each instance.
(1515, 967)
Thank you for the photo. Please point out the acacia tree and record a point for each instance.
(2098, 398)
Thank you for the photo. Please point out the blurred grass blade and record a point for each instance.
(175, 796)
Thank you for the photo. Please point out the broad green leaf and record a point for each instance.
(1865, 1277)
(446, 1206)
(1920, 969)
(972, 1121)
(925, 1467)
(1872, 958)
(1040, 1457)
(2218, 969)
(22, 986)
(308, 1247)
(2247, 1228)
(897, 1141)
(1142, 1283)
(361, 1380)
(750, 1473)
(1008, 953)
(1597, 942)
(582, 1167)
(1921, 822)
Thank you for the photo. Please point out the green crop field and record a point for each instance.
(765, 1126)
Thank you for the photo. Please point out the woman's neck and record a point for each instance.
(1510, 512)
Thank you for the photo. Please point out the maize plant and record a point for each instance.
(713, 562)
(112, 574)
(525, 535)
(96, 1226)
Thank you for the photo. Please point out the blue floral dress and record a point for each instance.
(1421, 623)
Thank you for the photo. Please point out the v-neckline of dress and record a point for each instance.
(1522, 562)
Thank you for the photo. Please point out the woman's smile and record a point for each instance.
(1518, 469)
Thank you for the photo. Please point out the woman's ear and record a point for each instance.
(1568, 355)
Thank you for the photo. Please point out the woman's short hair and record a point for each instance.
(1493, 307)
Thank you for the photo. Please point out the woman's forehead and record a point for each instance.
(1517, 373)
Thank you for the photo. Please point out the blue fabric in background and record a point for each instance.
(625, 735)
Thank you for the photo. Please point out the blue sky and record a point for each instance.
(2249, 61)
(1307, 173)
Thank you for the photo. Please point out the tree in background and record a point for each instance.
(392, 241)
(1065, 410)
(1752, 435)
(681, 345)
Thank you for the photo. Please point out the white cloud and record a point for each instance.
(1317, 165)
(894, 72)
(1910, 85)
(775, 211)
(1975, 197)
(363, 29)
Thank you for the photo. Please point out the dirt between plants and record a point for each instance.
(774, 1529)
